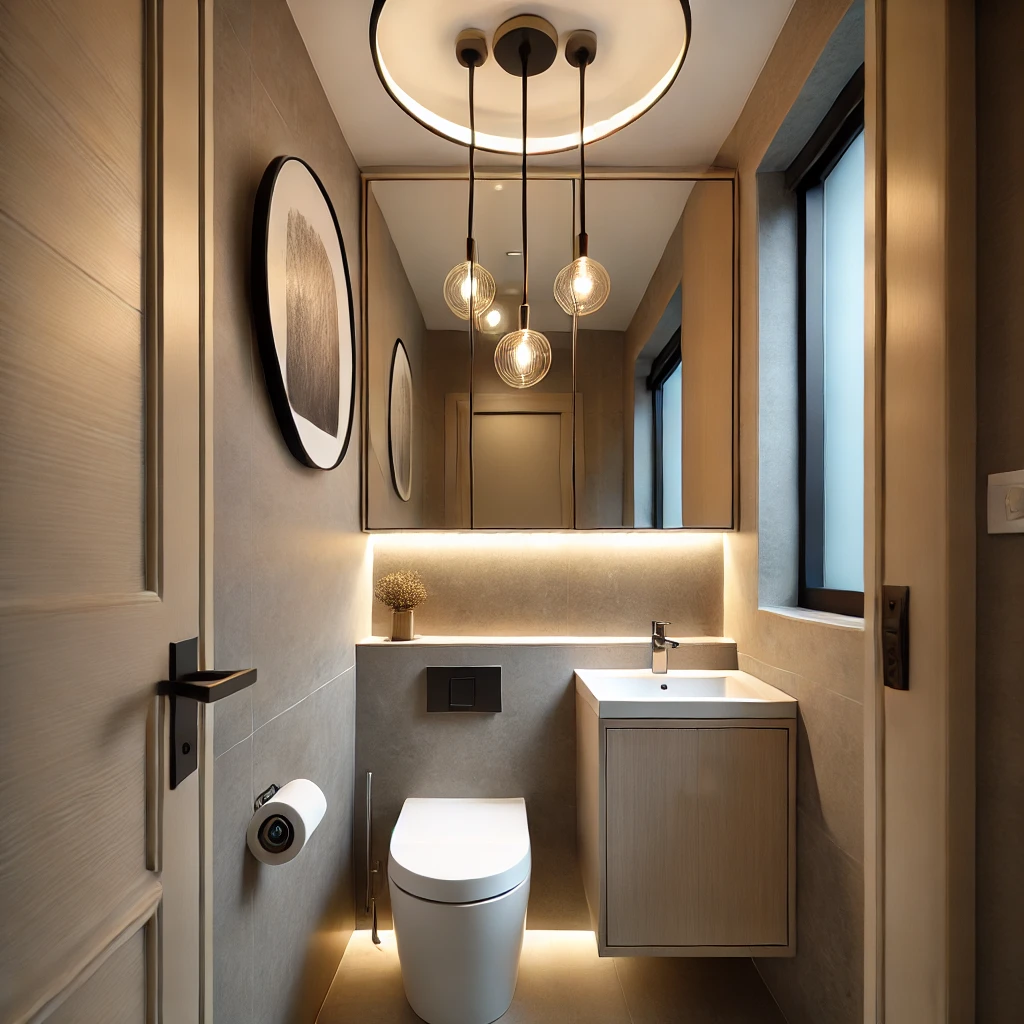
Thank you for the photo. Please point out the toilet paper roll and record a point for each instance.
(282, 826)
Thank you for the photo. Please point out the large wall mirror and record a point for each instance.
(633, 426)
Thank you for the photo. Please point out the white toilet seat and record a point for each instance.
(459, 873)
(460, 851)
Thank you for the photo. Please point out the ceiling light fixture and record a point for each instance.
(652, 38)
(523, 357)
(469, 288)
(583, 286)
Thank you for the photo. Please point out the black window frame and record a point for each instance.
(665, 363)
(840, 127)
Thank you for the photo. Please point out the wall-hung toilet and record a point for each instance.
(459, 876)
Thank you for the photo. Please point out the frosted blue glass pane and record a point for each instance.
(672, 448)
(844, 371)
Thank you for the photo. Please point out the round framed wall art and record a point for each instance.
(302, 306)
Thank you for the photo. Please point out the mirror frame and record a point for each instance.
(501, 173)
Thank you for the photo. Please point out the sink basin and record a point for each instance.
(689, 693)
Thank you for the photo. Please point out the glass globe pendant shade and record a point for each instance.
(582, 287)
(468, 280)
(523, 357)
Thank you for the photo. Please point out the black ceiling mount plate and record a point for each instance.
(528, 28)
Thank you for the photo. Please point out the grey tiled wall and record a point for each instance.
(291, 574)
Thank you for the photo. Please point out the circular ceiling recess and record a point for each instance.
(641, 47)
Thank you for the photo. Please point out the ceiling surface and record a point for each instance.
(629, 223)
(731, 40)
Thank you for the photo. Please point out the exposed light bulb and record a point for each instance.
(493, 317)
(467, 281)
(582, 287)
(524, 356)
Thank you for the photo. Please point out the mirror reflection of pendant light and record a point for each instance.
(469, 288)
(583, 286)
(523, 357)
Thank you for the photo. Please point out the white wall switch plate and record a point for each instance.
(1006, 502)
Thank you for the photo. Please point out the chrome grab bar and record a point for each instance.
(371, 867)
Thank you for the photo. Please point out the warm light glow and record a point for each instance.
(514, 143)
(492, 318)
(524, 356)
(582, 285)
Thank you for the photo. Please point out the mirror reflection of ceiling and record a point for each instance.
(731, 41)
(629, 224)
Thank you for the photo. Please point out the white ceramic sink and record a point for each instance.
(681, 693)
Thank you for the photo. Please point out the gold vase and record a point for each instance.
(401, 624)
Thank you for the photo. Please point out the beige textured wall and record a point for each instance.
(1000, 638)
(815, 658)
(291, 577)
(558, 584)
(394, 313)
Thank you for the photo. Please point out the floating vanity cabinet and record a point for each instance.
(686, 833)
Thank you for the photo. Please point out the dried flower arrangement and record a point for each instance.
(400, 591)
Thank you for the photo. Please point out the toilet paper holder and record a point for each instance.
(265, 796)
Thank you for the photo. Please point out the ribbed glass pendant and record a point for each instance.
(523, 358)
(467, 281)
(582, 287)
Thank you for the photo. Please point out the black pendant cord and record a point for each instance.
(524, 53)
(471, 256)
(472, 154)
(583, 162)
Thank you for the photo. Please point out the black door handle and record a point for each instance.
(187, 688)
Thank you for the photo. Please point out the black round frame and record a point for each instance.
(378, 8)
(261, 313)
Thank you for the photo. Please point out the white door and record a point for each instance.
(100, 518)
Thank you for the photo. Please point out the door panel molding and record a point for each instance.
(122, 925)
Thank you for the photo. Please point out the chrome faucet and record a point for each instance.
(659, 647)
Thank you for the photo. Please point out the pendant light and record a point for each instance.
(583, 286)
(469, 288)
(523, 357)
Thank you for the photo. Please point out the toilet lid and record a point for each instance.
(460, 851)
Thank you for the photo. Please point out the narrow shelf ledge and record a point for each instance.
(540, 641)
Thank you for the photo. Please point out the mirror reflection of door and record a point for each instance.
(666, 243)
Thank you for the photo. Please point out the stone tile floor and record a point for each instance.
(562, 980)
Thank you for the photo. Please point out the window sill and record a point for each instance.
(822, 618)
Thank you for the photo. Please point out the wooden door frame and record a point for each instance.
(207, 659)
(919, 794)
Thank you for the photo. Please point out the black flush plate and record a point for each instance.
(464, 688)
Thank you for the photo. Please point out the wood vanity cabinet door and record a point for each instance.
(652, 837)
(744, 836)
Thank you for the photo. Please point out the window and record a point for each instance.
(665, 383)
(828, 177)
